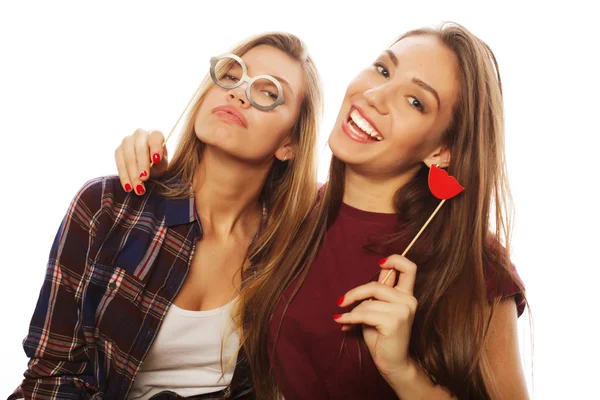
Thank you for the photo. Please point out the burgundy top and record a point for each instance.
(312, 360)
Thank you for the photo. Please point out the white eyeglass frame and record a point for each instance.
(248, 79)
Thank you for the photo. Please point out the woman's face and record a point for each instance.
(395, 112)
(227, 120)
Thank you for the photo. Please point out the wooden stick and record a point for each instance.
(416, 237)
(178, 119)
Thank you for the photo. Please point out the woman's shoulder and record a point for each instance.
(105, 194)
(89, 196)
(96, 187)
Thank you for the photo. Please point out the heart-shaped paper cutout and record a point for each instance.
(442, 185)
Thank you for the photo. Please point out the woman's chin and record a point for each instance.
(345, 149)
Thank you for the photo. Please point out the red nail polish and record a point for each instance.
(340, 301)
(139, 189)
(341, 327)
(155, 158)
(127, 187)
(143, 173)
(337, 316)
(382, 261)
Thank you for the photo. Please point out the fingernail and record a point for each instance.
(127, 187)
(382, 261)
(139, 189)
(340, 301)
(341, 327)
(143, 173)
(337, 316)
(155, 158)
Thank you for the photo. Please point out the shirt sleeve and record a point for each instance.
(505, 284)
(59, 364)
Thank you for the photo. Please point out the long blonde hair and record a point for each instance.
(290, 188)
(456, 252)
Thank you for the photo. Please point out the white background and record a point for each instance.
(76, 77)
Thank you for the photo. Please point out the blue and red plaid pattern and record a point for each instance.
(116, 265)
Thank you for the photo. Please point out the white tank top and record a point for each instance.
(185, 357)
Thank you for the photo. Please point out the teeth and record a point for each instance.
(364, 125)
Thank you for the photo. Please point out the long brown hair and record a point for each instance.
(450, 327)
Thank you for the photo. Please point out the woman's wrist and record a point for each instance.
(411, 382)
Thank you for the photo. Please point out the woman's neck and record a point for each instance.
(226, 193)
(371, 193)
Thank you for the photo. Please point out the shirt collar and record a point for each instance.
(179, 211)
(183, 211)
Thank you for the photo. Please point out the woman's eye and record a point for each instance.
(382, 70)
(230, 78)
(270, 94)
(416, 103)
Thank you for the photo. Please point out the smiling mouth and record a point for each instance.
(363, 127)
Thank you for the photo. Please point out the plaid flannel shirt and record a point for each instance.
(116, 265)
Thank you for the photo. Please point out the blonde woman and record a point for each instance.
(139, 290)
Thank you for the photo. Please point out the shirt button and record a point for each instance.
(112, 286)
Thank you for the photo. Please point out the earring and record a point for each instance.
(285, 158)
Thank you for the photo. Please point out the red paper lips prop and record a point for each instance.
(442, 185)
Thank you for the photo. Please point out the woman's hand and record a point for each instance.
(386, 312)
(134, 156)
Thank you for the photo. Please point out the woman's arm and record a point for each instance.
(59, 363)
(502, 353)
